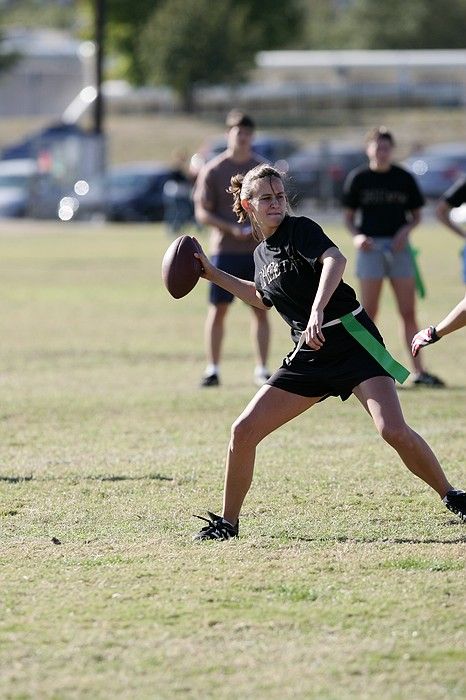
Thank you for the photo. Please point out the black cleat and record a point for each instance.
(216, 529)
(426, 379)
(456, 502)
(210, 380)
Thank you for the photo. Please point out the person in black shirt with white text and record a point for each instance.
(388, 201)
(298, 270)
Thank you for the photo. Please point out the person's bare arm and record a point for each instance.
(243, 289)
(443, 211)
(454, 320)
(333, 266)
(400, 239)
(207, 218)
(360, 240)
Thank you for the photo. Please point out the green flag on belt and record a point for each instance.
(374, 348)
(420, 287)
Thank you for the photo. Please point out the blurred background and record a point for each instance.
(108, 108)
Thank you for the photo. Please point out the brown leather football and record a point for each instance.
(180, 269)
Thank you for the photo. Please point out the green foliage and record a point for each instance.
(371, 24)
(7, 59)
(275, 23)
(124, 22)
(36, 13)
(322, 30)
(122, 12)
(233, 30)
(401, 25)
(192, 42)
(212, 42)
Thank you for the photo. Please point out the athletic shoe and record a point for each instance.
(216, 529)
(456, 502)
(426, 379)
(261, 377)
(210, 380)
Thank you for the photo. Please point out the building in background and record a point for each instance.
(50, 71)
(53, 78)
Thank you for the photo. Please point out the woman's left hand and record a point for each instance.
(313, 333)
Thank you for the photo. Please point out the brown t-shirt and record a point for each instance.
(211, 192)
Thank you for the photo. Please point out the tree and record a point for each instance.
(7, 58)
(407, 25)
(372, 24)
(57, 14)
(189, 42)
(198, 42)
(276, 23)
(125, 21)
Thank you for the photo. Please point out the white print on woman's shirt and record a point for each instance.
(272, 270)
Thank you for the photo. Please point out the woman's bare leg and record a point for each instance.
(405, 293)
(268, 410)
(379, 398)
(260, 333)
(370, 295)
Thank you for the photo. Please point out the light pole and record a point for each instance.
(99, 19)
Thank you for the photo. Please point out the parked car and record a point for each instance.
(437, 167)
(16, 178)
(131, 192)
(29, 146)
(276, 149)
(318, 171)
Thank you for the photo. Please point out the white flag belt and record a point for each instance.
(301, 340)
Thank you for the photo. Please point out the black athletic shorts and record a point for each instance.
(334, 370)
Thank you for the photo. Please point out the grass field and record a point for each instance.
(348, 580)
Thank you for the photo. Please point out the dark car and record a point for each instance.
(319, 171)
(437, 167)
(16, 178)
(275, 149)
(29, 146)
(131, 192)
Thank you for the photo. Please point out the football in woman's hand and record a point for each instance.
(180, 269)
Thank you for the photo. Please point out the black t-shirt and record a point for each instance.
(456, 194)
(384, 199)
(287, 273)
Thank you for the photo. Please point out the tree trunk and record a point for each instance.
(188, 103)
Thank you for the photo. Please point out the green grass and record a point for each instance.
(348, 581)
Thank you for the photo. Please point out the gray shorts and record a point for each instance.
(383, 262)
